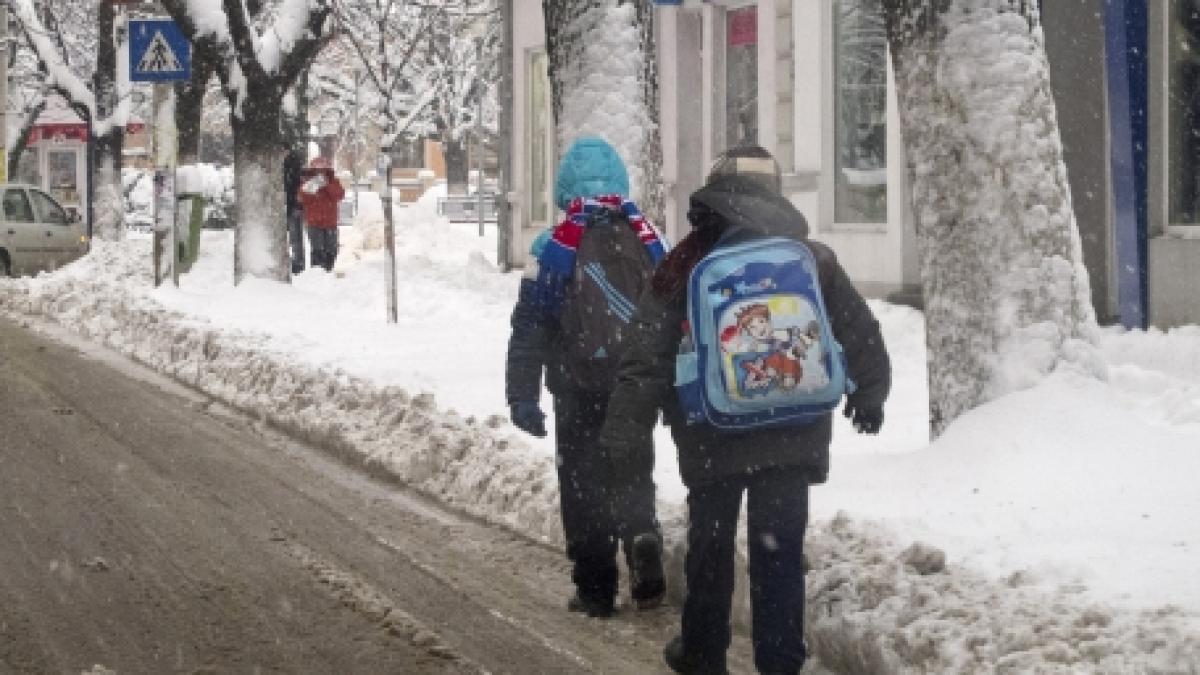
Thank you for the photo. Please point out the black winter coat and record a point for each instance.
(645, 381)
(535, 345)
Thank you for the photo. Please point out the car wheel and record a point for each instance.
(5, 265)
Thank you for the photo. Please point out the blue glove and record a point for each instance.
(528, 417)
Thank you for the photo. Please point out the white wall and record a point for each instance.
(528, 33)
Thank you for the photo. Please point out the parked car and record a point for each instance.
(36, 232)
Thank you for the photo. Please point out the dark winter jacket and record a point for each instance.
(293, 166)
(645, 382)
(536, 342)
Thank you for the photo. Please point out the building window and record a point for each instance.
(1183, 113)
(62, 172)
(860, 112)
(741, 76)
(540, 130)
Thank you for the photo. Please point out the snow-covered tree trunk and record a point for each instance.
(260, 237)
(108, 207)
(257, 68)
(602, 84)
(1006, 292)
(653, 202)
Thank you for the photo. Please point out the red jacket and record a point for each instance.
(321, 207)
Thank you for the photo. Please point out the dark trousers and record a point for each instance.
(777, 512)
(604, 499)
(323, 246)
(295, 222)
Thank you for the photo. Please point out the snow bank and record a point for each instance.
(1049, 515)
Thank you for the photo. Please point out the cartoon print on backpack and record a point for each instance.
(772, 345)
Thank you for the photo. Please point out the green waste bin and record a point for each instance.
(189, 220)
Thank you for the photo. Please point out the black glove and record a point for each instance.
(866, 419)
(528, 417)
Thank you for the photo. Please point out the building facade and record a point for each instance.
(810, 80)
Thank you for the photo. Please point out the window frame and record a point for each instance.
(829, 146)
(1169, 226)
(545, 191)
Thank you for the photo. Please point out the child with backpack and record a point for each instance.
(749, 337)
(572, 322)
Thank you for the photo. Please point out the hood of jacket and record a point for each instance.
(590, 168)
(746, 204)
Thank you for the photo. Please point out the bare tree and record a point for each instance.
(1006, 292)
(258, 67)
(81, 61)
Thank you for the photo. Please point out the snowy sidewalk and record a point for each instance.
(1065, 512)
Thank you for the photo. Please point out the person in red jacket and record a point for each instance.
(320, 191)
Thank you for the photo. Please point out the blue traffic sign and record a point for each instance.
(158, 51)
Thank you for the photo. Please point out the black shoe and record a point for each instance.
(682, 662)
(647, 584)
(596, 609)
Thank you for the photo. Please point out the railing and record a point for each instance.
(465, 208)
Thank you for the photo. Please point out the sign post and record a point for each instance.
(389, 231)
(3, 92)
(159, 52)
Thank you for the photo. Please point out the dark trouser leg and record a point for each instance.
(331, 247)
(296, 239)
(316, 250)
(634, 512)
(777, 512)
(582, 482)
(712, 526)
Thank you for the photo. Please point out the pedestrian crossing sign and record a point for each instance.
(158, 51)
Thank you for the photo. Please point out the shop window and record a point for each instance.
(741, 76)
(1183, 113)
(540, 130)
(62, 173)
(860, 112)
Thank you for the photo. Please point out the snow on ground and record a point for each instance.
(1065, 513)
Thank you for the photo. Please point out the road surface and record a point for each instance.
(147, 529)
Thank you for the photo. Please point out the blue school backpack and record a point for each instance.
(758, 350)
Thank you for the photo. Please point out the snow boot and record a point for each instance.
(681, 661)
(646, 581)
(596, 609)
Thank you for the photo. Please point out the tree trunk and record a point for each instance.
(260, 234)
(189, 99)
(590, 88)
(1006, 292)
(653, 197)
(457, 171)
(108, 204)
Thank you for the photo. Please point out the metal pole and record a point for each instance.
(4, 92)
(354, 148)
(504, 225)
(389, 244)
(479, 139)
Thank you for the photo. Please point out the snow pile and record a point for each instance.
(1051, 516)
(876, 608)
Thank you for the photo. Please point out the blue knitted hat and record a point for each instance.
(591, 167)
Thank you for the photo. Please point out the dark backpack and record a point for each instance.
(612, 267)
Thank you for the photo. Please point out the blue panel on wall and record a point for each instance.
(1125, 48)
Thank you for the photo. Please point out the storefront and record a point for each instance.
(55, 158)
(812, 83)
